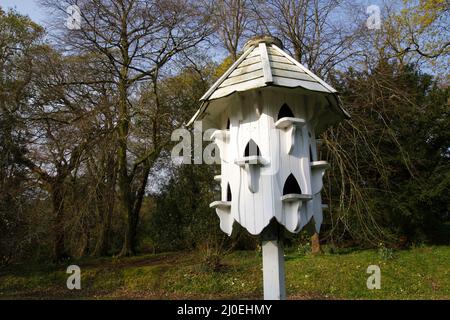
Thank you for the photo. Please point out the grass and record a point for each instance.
(417, 273)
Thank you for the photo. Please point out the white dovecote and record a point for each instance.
(267, 110)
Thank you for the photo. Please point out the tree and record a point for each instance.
(313, 30)
(58, 127)
(45, 123)
(232, 19)
(137, 39)
(387, 159)
(20, 45)
(421, 28)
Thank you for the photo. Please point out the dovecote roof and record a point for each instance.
(264, 63)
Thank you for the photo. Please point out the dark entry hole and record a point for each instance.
(291, 186)
(252, 149)
(284, 112)
(228, 193)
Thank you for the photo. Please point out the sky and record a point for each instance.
(39, 15)
(26, 7)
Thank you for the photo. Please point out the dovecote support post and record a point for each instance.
(273, 263)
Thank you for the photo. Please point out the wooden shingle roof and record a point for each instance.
(264, 63)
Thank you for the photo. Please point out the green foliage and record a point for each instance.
(182, 210)
(389, 181)
(390, 163)
(20, 40)
(385, 253)
(304, 249)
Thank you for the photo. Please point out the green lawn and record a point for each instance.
(419, 273)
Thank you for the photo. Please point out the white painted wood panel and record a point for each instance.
(255, 52)
(226, 74)
(242, 78)
(298, 83)
(265, 63)
(272, 51)
(273, 269)
(285, 66)
(278, 59)
(250, 61)
(222, 92)
(292, 74)
(242, 70)
(323, 83)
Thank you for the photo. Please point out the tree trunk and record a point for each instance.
(57, 191)
(102, 244)
(124, 179)
(130, 244)
(315, 244)
(105, 206)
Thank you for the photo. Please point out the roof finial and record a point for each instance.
(263, 38)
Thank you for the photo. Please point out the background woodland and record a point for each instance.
(86, 118)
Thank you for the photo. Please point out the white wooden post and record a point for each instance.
(273, 264)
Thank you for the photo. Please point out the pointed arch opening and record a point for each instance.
(285, 112)
(229, 195)
(291, 186)
(252, 149)
(228, 124)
